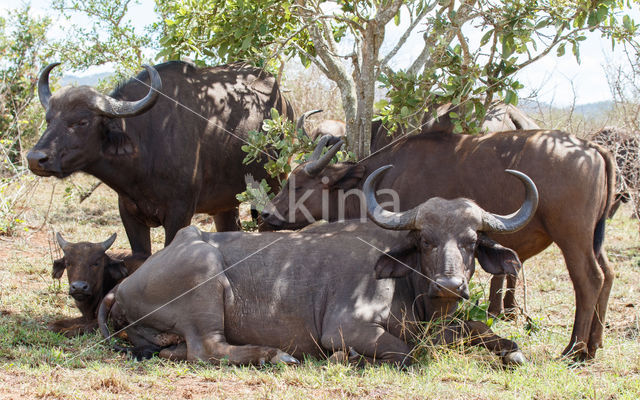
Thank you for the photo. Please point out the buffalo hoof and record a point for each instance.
(338, 357)
(514, 358)
(577, 353)
(282, 357)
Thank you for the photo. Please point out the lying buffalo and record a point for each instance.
(175, 152)
(92, 273)
(269, 297)
(576, 180)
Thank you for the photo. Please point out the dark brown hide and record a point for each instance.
(182, 156)
(92, 273)
(575, 178)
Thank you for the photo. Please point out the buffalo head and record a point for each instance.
(446, 236)
(90, 270)
(78, 125)
(314, 190)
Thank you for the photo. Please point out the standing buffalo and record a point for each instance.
(576, 180)
(269, 297)
(92, 273)
(175, 152)
(500, 117)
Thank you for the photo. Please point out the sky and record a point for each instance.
(556, 79)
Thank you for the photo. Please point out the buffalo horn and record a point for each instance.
(63, 243)
(107, 243)
(303, 117)
(317, 163)
(517, 220)
(114, 108)
(44, 92)
(386, 219)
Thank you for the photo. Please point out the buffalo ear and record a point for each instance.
(344, 176)
(393, 264)
(116, 269)
(117, 142)
(58, 268)
(497, 259)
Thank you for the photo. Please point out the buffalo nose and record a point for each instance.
(36, 158)
(79, 287)
(450, 286)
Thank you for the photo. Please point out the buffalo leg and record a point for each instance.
(479, 334)
(588, 281)
(495, 295)
(214, 348)
(179, 217)
(73, 326)
(373, 342)
(139, 234)
(510, 304)
(175, 353)
(227, 220)
(597, 324)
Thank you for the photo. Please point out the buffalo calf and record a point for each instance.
(92, 274)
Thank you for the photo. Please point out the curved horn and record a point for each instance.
(317, 152)
(303, 117)
(63, 243)
(517, 220)
(120, 108)
(107, 243)
(44, 92)
(314, 167)
(386, 219)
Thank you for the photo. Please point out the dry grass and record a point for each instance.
(35, 363)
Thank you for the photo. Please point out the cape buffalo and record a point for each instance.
(175, 152)
(576, 180)
(92, 273)
(500, 117)
(268, 297)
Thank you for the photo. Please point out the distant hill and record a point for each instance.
(594, 110)
(587, 111)
(90, 80)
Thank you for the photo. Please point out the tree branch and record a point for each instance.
(406, 34)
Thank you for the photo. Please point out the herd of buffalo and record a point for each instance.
(358, 288)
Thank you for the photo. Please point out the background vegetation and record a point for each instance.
(35, 363)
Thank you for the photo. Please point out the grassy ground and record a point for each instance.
(35, 363)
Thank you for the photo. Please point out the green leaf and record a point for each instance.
(246, 43)
(511, 98)
(486, 37)
(627, 22)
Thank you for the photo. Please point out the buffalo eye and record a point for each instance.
(83, 123)
(428, 246)
(468, 244)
